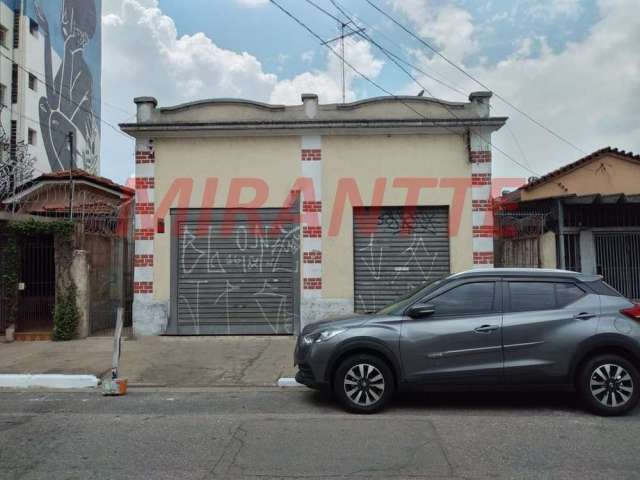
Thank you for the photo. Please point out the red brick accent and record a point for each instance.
(483, 258)
(145, 208)
(308, 155)
(143, 260)
(480, 179)
(483, 231)
(144, 234)
(145, 182)
(142, 287)
(481, 205)
(312, 232)
(143, 156)
(481, 157)
(314, 256)
(311, 206)
(312, 283)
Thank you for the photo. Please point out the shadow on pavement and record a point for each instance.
(494, 401)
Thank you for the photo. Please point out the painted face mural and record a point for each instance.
(72, 99)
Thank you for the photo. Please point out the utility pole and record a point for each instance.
(342, 36)
(71, 165)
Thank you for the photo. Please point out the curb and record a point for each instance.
(286, 382)
(47, 381)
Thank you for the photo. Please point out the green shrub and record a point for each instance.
(66, 316)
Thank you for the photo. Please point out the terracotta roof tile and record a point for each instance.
(578, 163)
(84, 175)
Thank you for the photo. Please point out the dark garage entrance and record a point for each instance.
(397, 249)
(234, 272)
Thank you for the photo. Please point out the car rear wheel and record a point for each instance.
(363, 384)
(609, 385)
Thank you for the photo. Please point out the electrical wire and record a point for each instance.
(383, 89)
(467, 74)
(80, 106)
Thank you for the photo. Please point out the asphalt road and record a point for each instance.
(272, 433)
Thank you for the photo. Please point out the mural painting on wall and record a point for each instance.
(72, 99)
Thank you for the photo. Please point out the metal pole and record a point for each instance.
(344, 98)
(117, 344)
(71, 164)
(560, 205)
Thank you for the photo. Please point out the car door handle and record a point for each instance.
(486, 329)
(584, 316)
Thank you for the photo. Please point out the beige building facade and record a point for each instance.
(261, 219)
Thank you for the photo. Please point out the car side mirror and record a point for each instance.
(421, 310)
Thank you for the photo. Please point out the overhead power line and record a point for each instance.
(387, 53)
(73, 102)
(376, 84)
(467, 74)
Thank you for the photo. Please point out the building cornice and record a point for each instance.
(344, 127)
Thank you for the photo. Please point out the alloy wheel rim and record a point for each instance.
(364, 384)
(611, 385)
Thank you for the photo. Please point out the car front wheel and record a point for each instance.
(608, 385)
(363, 384)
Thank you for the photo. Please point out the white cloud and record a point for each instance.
(589, 92)
(328, 83)
(552, 9)
(451, 27)
(252, 3)
(145, 56)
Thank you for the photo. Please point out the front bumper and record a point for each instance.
(311, 361)
(305, 377)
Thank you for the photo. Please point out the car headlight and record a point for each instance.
(321, 336)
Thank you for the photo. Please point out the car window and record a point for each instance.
(603, 288)
(401, 303)
(567, 293)
(467, 299)
(533, 296)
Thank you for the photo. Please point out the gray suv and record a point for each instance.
(483, 328)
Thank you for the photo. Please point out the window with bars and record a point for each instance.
(16, 28)
(14, 83)
(13, 141)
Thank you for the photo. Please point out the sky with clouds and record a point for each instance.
(574, 65)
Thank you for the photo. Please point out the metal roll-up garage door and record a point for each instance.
(234, 272)
(396, 250)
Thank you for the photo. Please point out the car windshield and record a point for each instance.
(410, 297)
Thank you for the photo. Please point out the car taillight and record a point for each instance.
(632, 312)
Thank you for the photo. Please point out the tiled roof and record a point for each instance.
(82, 175)
(95, 208)
(608, 151)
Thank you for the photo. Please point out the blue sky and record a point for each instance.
(572, 64)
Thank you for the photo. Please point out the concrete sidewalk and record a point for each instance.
(161, 361)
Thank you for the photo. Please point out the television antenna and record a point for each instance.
(343, 35)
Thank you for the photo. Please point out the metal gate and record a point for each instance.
(4, 300)
(38, 281)
(396, 250)
(618, 261)
(235, 271)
